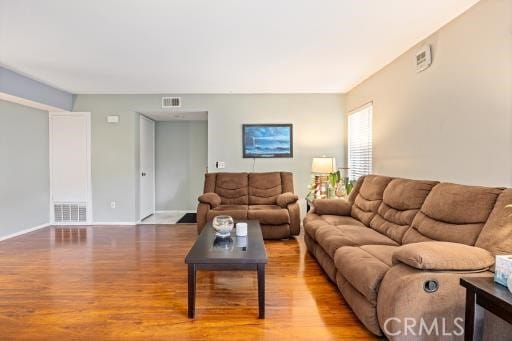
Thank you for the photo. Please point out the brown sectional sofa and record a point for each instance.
(266, 197)
(397, 248)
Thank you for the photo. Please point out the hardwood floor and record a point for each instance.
(130, 282)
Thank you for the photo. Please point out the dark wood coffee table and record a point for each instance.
(234, 253)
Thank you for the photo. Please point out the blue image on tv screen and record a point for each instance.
(267, 141)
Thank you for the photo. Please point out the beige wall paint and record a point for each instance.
(317, 122)
(452, 122)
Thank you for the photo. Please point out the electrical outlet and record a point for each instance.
(220, 164)
(112, 204)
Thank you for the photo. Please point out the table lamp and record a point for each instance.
(322, 167)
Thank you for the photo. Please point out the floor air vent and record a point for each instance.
(70, 212)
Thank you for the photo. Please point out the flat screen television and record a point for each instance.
(267, 140)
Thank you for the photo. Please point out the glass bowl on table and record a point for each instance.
(223, 225)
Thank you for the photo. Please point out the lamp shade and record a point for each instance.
(323, 165)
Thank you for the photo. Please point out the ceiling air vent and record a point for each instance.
(70, 212)
(171, 102)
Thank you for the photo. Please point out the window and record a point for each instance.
(360, 142)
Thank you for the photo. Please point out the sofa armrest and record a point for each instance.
(443, 256)
(422, 295)
(211, 199)
(202, 216)
(286, 199)
(332, 206)
(294, 213)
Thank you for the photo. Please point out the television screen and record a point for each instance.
(267, 140)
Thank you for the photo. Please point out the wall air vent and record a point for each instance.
(171, 102)
(423, 58)
(70, 212)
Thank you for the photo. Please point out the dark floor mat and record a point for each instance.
(189, 218)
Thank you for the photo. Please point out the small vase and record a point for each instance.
(223, 224)
(341, 190)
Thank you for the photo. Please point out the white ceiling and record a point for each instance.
(206, 46)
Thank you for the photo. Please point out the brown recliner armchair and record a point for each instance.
(266, 197)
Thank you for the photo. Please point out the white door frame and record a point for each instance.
(87, 115)
(141, 118)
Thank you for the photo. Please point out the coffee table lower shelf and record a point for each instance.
(192, 270)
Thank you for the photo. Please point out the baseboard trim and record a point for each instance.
(22, 232)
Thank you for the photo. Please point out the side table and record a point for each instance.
(491, 296)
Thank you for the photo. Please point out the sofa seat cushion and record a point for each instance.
(331, 238)
(264, 207)
(232, 208)
(235, 211)
(269, 214)
(313, 221)
(362, 269)
(275, 231)
(341, 220)
(384, 253)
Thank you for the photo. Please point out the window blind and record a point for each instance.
(360, 142)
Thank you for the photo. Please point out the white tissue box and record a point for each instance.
(241, 229)
(503, 269)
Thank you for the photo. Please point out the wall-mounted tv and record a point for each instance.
(267, 140)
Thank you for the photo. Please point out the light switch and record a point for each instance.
(113, 119)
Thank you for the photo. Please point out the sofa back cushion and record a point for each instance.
(369, 198)
(355, 190)
(287, 182)
(496, 235)
(264, 188)
(232, 188)
(402, 200)
(453, 213)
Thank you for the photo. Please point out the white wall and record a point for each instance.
(317, 121)
(181, 161)
(453, 121)
(24, 168)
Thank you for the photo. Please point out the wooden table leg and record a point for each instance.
(191, 290)
(469, 323)
(261, 290)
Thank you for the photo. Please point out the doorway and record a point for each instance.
(147, 167)
(181, 159)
